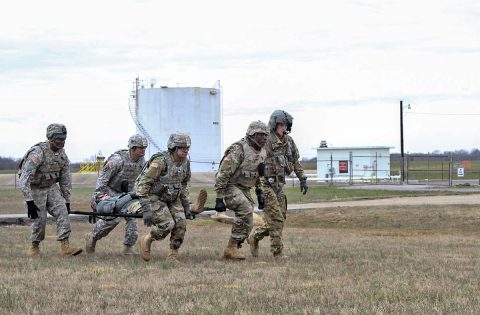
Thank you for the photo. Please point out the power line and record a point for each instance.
(443, 114)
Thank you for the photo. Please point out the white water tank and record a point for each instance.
(161, 111)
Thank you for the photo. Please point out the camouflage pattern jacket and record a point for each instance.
(239, 167)
(41, 168)
(282, 158)
(118, 167)
(165, 178)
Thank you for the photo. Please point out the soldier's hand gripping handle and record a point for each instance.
(220, 205)
(186, 209)
(147, 214)
(260, 198)
(32, 210)
(303, 185)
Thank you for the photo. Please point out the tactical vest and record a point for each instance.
(129, 171)
(279, 161)
(48, 172)
(247, 172)
(168, 185)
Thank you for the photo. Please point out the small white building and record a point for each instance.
(353, 163)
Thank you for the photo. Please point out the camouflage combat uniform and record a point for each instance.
(282, 158)
(118, 168)
(45, 179)
(164, 184)
(237, 173)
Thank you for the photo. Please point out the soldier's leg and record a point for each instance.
(270, 199)
(131, 232)
(103, 227)
(38, 225)
(243, 209)
(273, 216)
(56, 207)
(180, 227)
(277, 243)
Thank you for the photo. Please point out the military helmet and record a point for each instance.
(137, 141)
(280, 117)
(257, 126)
(178, 140)
(56, 131)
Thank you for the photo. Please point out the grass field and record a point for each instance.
(395, 260)
(11, 200)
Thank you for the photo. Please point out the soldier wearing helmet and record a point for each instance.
(240, 169)
(118, 177)
(46, 185)
(282, 158)
(162, 187)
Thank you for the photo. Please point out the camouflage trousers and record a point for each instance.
(104, 226)
(168, 217)
(274, 214)
(50, 200)
(241, 203)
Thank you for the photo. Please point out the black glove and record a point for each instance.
(134, 196)
(147, 214)
(186, 209)
(220, 205)
(260, 198)
(303, 186)
(32, 210)
(68, 207)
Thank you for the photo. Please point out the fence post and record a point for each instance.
(376, 167)
(450, 170)
(350, 165)
(331, 170)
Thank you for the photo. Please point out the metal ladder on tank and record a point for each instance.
(132, 106)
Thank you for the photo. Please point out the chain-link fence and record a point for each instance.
(420, 169)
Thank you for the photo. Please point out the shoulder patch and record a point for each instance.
(154, 165)
(35, 159)
(110, 164)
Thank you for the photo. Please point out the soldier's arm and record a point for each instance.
(29, 167)
(147, 178)
(232, 159)
(65, 181)
(111, 168)
(297, 167)
(184, 193)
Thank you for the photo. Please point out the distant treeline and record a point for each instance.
(8, 163)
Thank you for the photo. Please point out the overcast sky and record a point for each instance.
(339, 68)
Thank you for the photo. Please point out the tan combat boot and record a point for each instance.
(232, 252)
(253, 242)
(172, 257)
(34, 249)
(145, 244)
(128, 250)
(67, 249)
(199, 204)
(90, 243)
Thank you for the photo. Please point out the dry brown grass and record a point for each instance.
(399, 260)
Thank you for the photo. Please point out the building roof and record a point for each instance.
(353, 148)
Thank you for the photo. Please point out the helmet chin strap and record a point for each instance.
(252, 139)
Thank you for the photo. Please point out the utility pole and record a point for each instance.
(402, 161)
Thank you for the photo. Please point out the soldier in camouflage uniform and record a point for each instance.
(240, 169)
(46, 186)
(162, 187)
(119, 173)
(282, 159)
